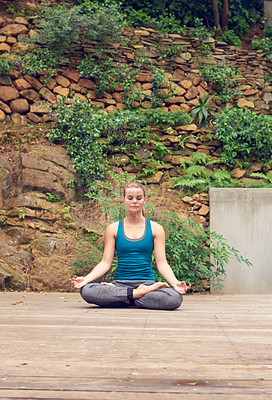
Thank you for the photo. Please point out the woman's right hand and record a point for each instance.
(78, 282)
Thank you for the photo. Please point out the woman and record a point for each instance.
(134, 239)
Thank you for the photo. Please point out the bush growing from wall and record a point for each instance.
(246, 136)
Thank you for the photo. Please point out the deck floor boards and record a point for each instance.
(55, 346)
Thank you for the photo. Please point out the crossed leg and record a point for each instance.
(144, 294)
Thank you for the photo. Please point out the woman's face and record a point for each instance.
(134, 200)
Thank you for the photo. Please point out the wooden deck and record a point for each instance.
(55, 346)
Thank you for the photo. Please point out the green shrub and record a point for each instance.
(264, 44)
(197, 177)
(163, 119)
(7, 64)
(200, 31)
(38, 61)
(195, 255)
(138, 18)
(230, 38)
(221, 78)
(246, 136)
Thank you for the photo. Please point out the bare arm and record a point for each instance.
(105, 264)
(163, 267)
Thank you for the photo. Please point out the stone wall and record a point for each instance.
(24, 98)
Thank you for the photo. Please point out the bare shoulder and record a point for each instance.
(112, 229)
(157, 229)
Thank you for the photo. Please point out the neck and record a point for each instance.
(135, 217)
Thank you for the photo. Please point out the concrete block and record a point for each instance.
(244, 218)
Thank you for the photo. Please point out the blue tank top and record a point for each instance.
(134, 255)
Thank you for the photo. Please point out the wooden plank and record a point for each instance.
(54, 346)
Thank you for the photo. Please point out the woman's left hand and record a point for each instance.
(181, 287)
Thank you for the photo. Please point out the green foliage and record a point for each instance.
(203, 111)
(264, 44)
(264, 182)
(197, 177)
(246, 136)
(21, 212)
(200, 31)
(107, 74)
(7, 64)
(195, 255)
(230, 38)
(58, 28)
(221, 79)
(54, 198)
(138, 18)
(38, 61)
(163, 119)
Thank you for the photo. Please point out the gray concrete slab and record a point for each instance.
(55, 346)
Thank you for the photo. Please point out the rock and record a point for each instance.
(174, 107)
(250, 92)
(11, 40)
(143, 77)
(30, 95)
(21, 84)
(197, 80)
(72, 74)
(4, 107)
(185, 107)
(190, 127)
(21, 20)
(204, 210)
(176, 160)
(141, 33)
(4, 48)
(19, 106)
(2, 116)
(237, 173)
(245, 103)
(156, 178)
(44, 244)
(178, 90)
(33, 82)
(62, 81)
(40, 107)
(19, 47)
(267, 97)
(192, 93)
(176, 100)
(13, 30)
(50, 273)
(59, 90)
(6, 179)
(2, 38)
(86, 83)
(18, 235)
(34, 118)
(8, 93)
(18, 119)
(80, 96)
(186, 84)
(47, 95)
(5, 80)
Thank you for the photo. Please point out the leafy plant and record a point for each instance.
(246, 136)
(163, 119)
(262, 44)
(39, 60)
(22, 214)
(203, 111)
(195, 255)
(265, 180)
(200, 31)
(7, 64)
(221, 79)
(54, 198)
(231, 38)
(197, 177)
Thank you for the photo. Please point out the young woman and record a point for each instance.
(134, 239)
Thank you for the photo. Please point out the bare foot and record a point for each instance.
(143, 289)
(107, 283)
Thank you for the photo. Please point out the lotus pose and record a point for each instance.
(134, 239)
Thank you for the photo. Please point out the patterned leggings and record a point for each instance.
(115, 295)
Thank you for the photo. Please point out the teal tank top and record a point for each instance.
(134, 255)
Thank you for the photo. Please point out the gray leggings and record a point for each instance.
(115, 296)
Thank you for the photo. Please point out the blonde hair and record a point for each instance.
(135, 185)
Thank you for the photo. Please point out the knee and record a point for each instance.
(86, 292)
(174, 301)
